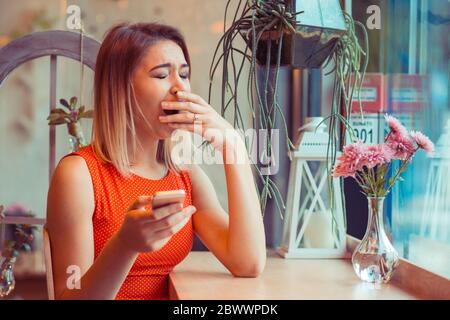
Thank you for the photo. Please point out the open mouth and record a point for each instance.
(169, 112)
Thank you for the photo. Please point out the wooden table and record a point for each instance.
(202, 277)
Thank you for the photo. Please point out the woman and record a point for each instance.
(99, 211)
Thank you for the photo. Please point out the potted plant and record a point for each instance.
(272, 33)
(71, 118)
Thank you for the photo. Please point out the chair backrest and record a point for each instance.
(48, 264)
(52, 44)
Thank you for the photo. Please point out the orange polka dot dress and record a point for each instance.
(113, 194)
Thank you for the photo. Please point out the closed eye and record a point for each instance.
(183, 76)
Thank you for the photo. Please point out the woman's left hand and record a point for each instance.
(197, 116)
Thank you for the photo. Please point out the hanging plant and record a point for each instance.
(250, 22)
(349, 61)
(71, 118)
(272, 35)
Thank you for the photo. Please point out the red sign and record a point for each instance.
(373, 94)
(408, 92)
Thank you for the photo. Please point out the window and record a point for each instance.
(411, 54)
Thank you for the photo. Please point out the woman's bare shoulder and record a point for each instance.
(71, 187)
(72, 171)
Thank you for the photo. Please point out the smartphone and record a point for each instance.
(162, 198)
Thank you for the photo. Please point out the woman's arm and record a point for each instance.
(70, 207)
(246, 238)
(237, 239)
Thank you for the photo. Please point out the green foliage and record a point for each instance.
(73, 114)
(252, 21)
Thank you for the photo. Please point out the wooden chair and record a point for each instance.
(53, 44)
(48, 264)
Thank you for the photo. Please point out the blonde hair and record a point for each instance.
(114, 102)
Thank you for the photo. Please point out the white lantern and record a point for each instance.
(313, 228)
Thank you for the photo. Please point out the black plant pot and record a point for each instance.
(318, 28)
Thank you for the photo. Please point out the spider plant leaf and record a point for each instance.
(58, 121)
(64, 103)
(58, 111)
(73, 102)
(63, 119)
(88, 114)
(54, 116)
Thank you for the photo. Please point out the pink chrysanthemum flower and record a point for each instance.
(341, 170)
(388, 153)
(349, 161)
(423, 142)
(395, 125)
(402, 146)
(374, 155)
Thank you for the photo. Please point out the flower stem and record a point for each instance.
(400, 170)
(374, 181)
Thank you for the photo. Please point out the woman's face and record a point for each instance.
(162, 72)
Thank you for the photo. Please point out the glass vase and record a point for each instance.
(7, 281)
(76, 136)
(375, 258)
